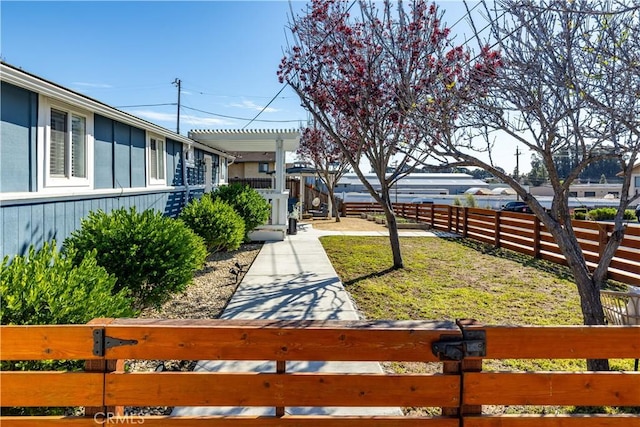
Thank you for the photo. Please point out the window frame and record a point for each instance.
(67, 180)
(263, 167)
(151, 180)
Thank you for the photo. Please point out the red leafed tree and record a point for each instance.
(364, 72)
(326, 157)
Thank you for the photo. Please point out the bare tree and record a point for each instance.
(363, 77)
(326, 157)
(565, 69)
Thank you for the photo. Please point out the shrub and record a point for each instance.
(251, 206)
(607, 214)
(216, 222)
(470, 201)
(45, 287)
(151, 255)
(580, 215)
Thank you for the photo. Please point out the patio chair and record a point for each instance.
(622, 308)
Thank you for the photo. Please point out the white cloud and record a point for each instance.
(207, 121)
(93, 85)
(155, 116)
(250, 105)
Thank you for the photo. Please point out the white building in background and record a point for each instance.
(415, 184)
(597, 191)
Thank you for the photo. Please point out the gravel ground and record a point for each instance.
(205, 298)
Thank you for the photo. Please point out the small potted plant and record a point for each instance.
(293, 219)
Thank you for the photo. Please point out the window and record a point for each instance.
(156, 160)
(589, 194)
(573, 194)
(223, 170)
(263, 167)
(67, 145)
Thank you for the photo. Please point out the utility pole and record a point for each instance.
(178, 83)
(517, 171)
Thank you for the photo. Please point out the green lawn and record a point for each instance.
(447, 279)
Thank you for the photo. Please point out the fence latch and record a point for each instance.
(101, 342)
(451, 347)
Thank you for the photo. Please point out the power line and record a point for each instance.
(283, 87)
(239, 118)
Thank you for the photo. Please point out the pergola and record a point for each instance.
(280, 141)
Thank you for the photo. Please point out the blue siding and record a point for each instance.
(138, 143)
(103, 154)
(122, 155)
(26, 224)
(18, 126)
(174, 163)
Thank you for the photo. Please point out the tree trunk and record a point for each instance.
(394, 239)
(588, 290)
(332, 203)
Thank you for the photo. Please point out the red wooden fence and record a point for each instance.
(522, 233)
(461, 388)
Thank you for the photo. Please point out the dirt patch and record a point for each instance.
(345, 224)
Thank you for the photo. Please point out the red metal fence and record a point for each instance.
(522, 233)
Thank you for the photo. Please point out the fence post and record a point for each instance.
(536, 237)
(104, 366)
(281, 368)
(496, 228)
(432, 214)
(452, 368)
(449, 215)
(603, 238)
(459, 368)
(465, 218)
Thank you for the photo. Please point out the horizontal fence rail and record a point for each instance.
(521, 232)
(459, 390)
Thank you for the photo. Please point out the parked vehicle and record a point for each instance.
(521, 207)
(420, 200)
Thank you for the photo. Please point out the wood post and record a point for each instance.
(603, 238)
(536, 237)
(104, 366)
(432, 215)
(465, 219)
(281, 368)
(496, 229)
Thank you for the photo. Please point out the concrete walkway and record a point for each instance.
(293, 280)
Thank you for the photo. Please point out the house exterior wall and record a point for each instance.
(17, 123)
(236, 170)
(119, 177)
(27, 222)
(249, 170)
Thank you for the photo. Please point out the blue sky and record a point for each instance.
(126, 53)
